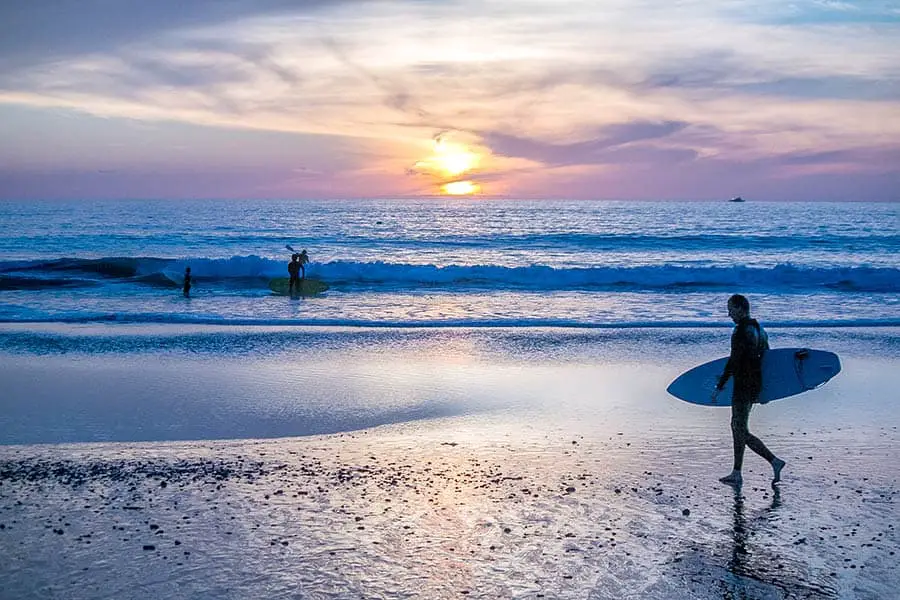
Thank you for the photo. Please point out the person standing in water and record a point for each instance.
(749, 343)
(186, 289)
(304, 260)
(294, 270)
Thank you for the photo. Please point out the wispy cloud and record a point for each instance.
(548, 87)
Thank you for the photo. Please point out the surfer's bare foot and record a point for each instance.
(777, 466)
(733, 479)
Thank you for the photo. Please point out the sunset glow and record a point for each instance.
(460, 188)
(581, 100)
(453, 159)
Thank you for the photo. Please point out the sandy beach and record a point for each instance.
(439, 514)
(574, 478)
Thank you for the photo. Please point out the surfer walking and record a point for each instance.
(749, 343)
(186, 288)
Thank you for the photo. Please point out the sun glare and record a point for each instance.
(460, 188)
(452, 166)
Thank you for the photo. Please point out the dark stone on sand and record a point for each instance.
(686, 512)
(154, 526)
(149, 547)
(507, 530)
(570, 489)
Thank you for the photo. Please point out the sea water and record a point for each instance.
(452, 262)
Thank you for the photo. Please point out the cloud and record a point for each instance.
(549, 87)
(607, 148)
(36, 31)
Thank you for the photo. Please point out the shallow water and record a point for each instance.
(94, 383)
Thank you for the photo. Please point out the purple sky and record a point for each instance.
(523, 98)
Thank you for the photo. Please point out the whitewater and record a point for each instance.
(451, 262)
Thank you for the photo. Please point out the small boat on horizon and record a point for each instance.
(737, 199)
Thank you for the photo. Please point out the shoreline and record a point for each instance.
(387, 514)
(481, 464)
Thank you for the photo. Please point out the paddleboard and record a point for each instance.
(786, 372)
(308, 287)
(176, 277)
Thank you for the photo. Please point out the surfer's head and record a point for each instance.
(738, 307)
(295, 257)
(187, 269)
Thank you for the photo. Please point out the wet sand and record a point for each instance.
(513, 465)
(439, 514)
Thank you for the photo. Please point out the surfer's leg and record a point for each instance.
(755, 444)
(777, 466)
(758, 446)
(739, 415)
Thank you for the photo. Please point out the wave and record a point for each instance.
(627, 242)
(352, 276)
(181, 319)
(34, 283)
(173, 319)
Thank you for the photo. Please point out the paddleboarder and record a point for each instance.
(304, 259)
(749, 343)
(294, 270)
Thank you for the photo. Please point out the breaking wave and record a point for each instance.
(388, 277)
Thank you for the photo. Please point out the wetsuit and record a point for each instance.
(303, 260)
(187, 285)
(294, 270)
(749, 343)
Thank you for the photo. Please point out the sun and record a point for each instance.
(453, 159)
(460, 188)
(452, 165)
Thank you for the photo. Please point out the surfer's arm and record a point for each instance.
(743, 343)
(726, 373)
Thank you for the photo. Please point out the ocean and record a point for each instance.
(468, 262)
(476, 406)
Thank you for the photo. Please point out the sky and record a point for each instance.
(615, 99)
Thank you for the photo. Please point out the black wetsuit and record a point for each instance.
(303, 260)
(294, 271)
(749, 343)
(187, 285)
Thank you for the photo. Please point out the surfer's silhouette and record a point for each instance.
(294, 270)
(304, 259)
(749, 343)
(186, 288)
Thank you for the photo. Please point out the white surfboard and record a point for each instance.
(786, 372)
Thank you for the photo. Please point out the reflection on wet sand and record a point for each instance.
(758, 566)
(741, 565)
